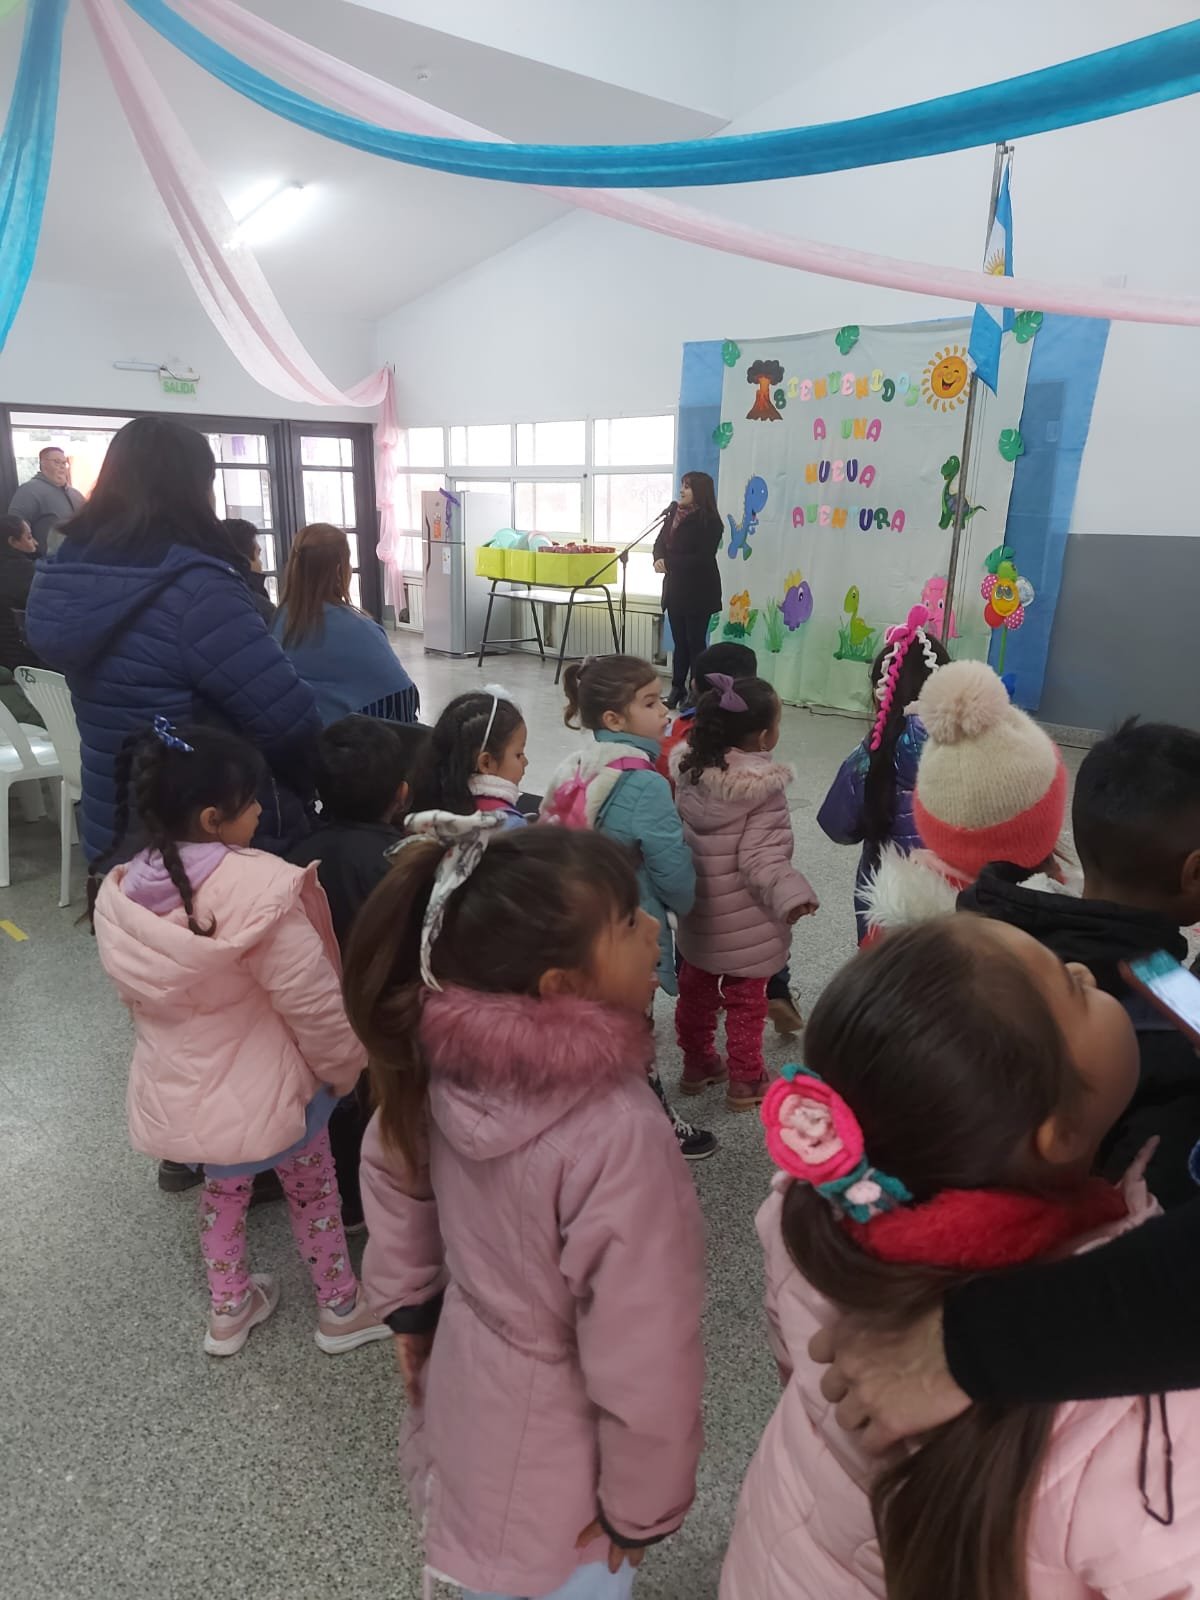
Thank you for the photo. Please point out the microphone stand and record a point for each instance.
(623, 558)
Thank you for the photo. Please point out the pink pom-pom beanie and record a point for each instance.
(991, 785)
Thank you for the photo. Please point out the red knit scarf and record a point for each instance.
(981, 1229)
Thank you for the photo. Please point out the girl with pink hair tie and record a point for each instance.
(870, 802)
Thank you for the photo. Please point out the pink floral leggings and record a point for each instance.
(310, 1185)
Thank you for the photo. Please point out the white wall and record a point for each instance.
(65, 339)
(587, 317)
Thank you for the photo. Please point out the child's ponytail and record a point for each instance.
(383, 992)
(727, 716)
(899, 672)
(165, 777)
(600, 684)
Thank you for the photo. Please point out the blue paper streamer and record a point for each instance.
(1145, 72)
(26, 151)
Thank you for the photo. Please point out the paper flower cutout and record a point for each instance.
(731, 352)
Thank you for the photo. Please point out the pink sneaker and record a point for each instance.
(700, 1075)
(335, 1335)
(228, 1332)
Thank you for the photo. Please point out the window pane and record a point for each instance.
(553, 508)
(245, 492)
(355, 592)
(410, 487)
(643, 580)
(352, 541)
(273, 590)
(635, 441)
(422, 447)
(481, 445)
(323, 450)
(266, 552)
(238, 447)
(550, 444)
(625, 502)
(329, 497)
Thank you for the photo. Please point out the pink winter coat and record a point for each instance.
(738, 827)
(803, 1529)
(559, 1217)
(235, 1034)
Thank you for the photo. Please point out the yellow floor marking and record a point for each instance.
(13, 932)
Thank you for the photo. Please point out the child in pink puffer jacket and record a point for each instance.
(731, 798)
(227, 960)
(535, 1242)
(959, 1080)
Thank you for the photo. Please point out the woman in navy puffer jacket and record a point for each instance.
(145, 611)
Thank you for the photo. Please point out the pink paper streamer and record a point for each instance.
(230, 283)
(352, 90)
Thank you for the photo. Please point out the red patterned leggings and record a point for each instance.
(702, 996)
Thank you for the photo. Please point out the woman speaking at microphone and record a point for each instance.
(685, 552)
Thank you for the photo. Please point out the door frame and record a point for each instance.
(283, 464)
(361, 436)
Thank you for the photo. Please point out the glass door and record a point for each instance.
(335, 483)
(243, 489)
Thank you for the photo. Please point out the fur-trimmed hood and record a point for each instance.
(721, 793)
(505, 1067)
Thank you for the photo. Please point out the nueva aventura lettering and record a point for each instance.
(867, 517)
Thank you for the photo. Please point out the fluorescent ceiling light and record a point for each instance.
(267, 210)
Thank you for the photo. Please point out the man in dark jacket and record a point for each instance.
(18, 552)
(47, 499)
(1136, 819)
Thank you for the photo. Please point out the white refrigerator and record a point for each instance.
(453, 528)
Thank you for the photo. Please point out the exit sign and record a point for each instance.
(172, 385)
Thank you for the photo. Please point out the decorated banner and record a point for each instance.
(839, 479)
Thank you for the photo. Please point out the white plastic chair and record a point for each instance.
(26, 756)
(49, 696)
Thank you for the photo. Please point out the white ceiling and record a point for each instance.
(375, 234)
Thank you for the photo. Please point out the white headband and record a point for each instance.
(498, 692)
(464, 840)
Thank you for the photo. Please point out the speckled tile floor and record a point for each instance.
(133, 1465)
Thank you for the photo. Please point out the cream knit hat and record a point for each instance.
(991, 785)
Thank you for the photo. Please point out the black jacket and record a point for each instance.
(1101, 934)
(16, 579)
(351, 861)
(692, 585)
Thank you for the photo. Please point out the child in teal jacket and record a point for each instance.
(612, 785)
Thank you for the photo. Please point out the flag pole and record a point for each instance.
(960, 506)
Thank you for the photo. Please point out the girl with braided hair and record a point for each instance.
(871, 800)
(227, 960)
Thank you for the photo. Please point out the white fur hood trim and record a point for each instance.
(748, 778)
(907, 889)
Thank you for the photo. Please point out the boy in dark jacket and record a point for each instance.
(1136, 819)
(363, 770)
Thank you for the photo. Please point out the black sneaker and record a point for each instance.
(176, 1176)
(695, 1144)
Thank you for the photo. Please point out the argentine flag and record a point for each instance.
(991, 321)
